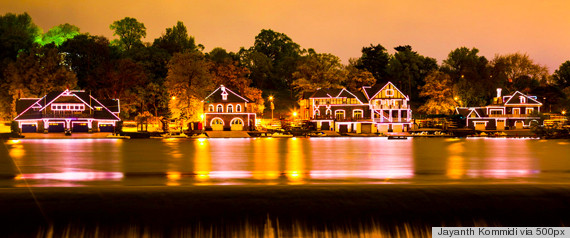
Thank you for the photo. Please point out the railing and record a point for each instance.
(394, 120)
(66, 115)
(340, 119)
(387, 107)
(514, 115)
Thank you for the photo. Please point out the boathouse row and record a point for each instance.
(73, 110)
(226, 110)
(380, 108)
(516, 111)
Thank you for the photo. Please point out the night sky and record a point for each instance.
(433, 28)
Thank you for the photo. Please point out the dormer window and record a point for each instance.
(224, 93)
(522, 99)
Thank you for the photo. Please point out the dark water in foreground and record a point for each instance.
(317, 187)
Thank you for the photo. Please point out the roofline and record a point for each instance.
(16, 118)
(405, 96)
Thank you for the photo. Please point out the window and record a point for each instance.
(339, 114)
(217, 121)
(230, 108)
(211, 108)
(529, 110)
(357, 114)
(496, 112)
(237, 121)
(329, 112)
(389, 92)
(516, 111)
(238, 108)
(317, 112)
(220, 108)
(522, 99)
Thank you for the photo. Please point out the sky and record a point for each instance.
(432, 27)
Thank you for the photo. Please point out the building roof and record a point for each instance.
(335, 93)
(516, 99)
(218, 96)
(32, 108)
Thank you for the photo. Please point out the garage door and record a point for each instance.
(519, 125)
(343, 128)
(501, 125)
(325, 126)
(80, 127)
(480, 126)
(397, 128)
(29, 128)
(106, 128)
(56, 127)
(366, 128)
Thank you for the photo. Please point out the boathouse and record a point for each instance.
(226, 110)
(516, 111)
(72, 110)
(376, 109)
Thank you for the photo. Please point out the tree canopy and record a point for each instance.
(130, 33)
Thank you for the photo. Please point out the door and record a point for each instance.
(27, 128)
(325, 126)
(56, 127)
(519, 125)
(236, 124)
(217, 124)
(343, 128)
(480, 126)
(366, 128)
(501, 125)
(397, 128)
(80, 127)
(106, 128)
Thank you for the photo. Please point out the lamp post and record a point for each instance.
(271, 106)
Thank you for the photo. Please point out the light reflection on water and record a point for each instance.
(287, 161)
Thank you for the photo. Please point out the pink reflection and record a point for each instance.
(230, 174)
(500, 173)
(73, 176)
(362, 174)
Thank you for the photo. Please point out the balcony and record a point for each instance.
(347, 119)
(67, 115)
(534, 116)
(390, 107)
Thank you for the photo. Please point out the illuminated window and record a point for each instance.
(238, 108)
(516, 111)
(389, 92)
(339, 114)
(236, 121)
(217, 121)
(357, 114)
(211, 108)
(230, 108)
(328, 112)
(220, 108)
(529, 110)
(522, 99)
(317, 113)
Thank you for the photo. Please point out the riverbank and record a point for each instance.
(163, 210)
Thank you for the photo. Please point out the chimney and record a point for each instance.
(499, 92)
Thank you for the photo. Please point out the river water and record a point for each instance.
(289, 187)
(267, 161)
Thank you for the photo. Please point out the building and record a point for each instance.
(71, 110)
(377, 109)
(516, 111)
(226, 110)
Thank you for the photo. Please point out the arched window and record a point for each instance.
(230, 108)
(217, 121)
(329, 112)
(211, 108)
(357, 114)
(220, 108)
(236, 121)
(339, 114)
(238, 108)
(317, 112)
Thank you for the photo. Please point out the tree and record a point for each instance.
(561, 76)
(470, 76)
(375, 59)
(176, 40)
(517, 72)
(275, 56)
(188, 81)
(407, 70)
(438, 90)
(130, 33)
(59, 34)
(356, 78)
(17, 33)
(318, 71)
(36, 74)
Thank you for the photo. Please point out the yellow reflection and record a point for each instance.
(17, 151)
(202, 160)
(295, 162)
(455, 161)
(11, 142)
(265, 167)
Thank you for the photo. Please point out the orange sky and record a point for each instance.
(431, 27)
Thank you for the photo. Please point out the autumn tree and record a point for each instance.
(517, 72)
(375, 59)
(176, 40)
(318, 71)
(35, 74)
(130, 33)
(188, 81)
(439, 93)
(356, 78)
(59, 34)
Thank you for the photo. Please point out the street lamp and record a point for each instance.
(271, 106)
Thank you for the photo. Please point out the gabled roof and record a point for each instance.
(24, 107)
(463, 111)
(372, 92)
(516, 99)
(216, 96)
(336, 93)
